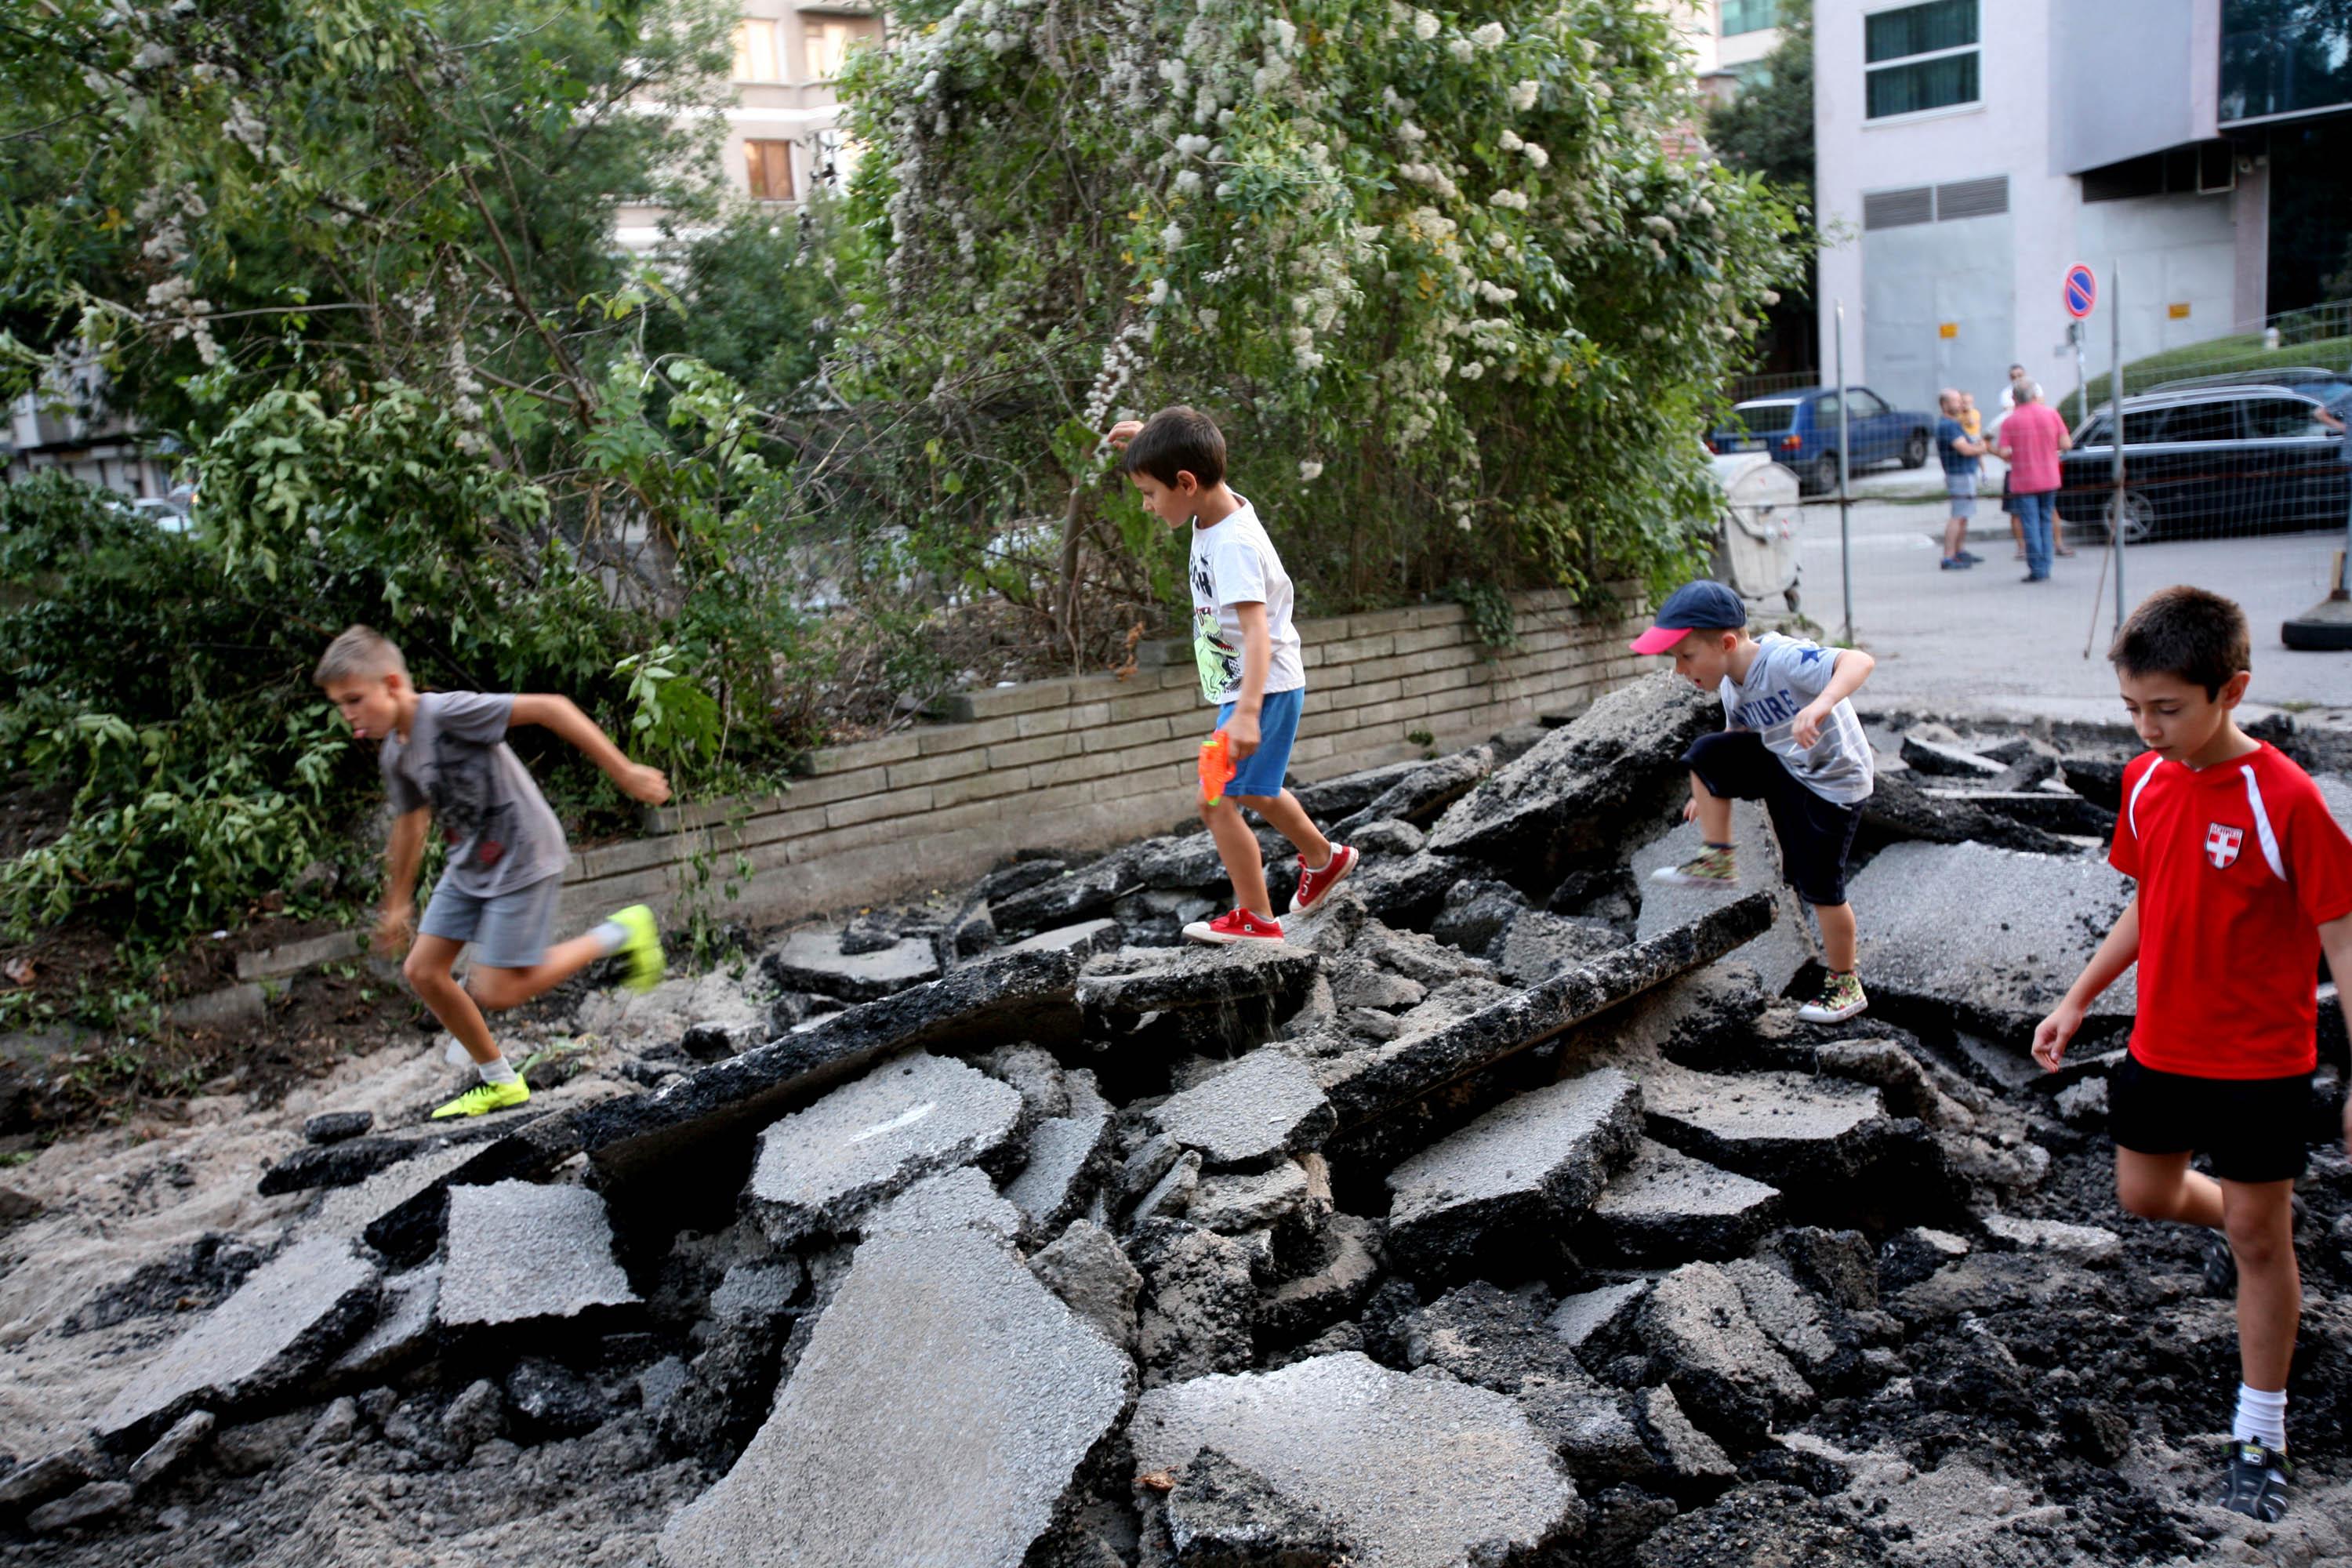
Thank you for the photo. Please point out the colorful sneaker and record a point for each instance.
(643, 949)
(1710, 867)
(2254, 1481)
(1313, 885)
(485, 1097)
(1840, 999)
(1239, 926)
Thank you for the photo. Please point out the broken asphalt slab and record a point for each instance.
(714, 1112)
(519, 1252)
(945, 1403)
(1784, 1128)
(1666, 1206)
(1264, 1106)
(1370, 1083)
(820, 1168)
(286, 1321)
(814, 960)
(1419, 1471)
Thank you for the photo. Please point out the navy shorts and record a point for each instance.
(1263, 771)
(1816, 835)
(2252, 1129)
(508, 931)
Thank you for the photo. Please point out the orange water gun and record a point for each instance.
(1216, 767)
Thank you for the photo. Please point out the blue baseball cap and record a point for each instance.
(1700, 606)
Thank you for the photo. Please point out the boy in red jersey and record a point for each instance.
(2244, 881)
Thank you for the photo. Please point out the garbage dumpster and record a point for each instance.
(1756, 538)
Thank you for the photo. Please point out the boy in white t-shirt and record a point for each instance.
(1792, 739)
(1247, 649)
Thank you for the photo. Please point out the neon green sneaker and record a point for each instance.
(485, 1097)
(644, 948)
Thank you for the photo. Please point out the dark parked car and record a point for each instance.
(2234, 458)
(1800, 429)
(2333, 387)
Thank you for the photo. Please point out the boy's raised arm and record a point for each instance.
(562, 715)
(1853, 668)
(2117, 953)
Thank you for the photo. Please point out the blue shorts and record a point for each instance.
(1262, 772)
(508, 931)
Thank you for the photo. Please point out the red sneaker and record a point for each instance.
(1313, 885)
(1239, 926)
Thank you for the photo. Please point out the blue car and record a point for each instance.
(1800, 429)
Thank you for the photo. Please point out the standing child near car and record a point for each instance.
(2244, 881)
(444, 753)
(1792, 739)
(1248, 652)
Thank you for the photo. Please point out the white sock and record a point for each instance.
(610, 936)
(495, 1070)
(2261, 1418)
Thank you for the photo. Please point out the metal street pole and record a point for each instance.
(2116, 404)
(1845, 458)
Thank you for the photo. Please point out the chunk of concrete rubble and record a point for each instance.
(1405, 1071)
(1034, 1071)
(1065, 1157)
(1691, 1459)
(960, 1199)
(334, 1126)
(95, 1501)
(1778, 1127)
(1899, 808)
(1236, 1201)
(1988, 935)
(2089, 1244)
(1785, 946)
(1484, 1334)
(1265, 1106)
(1404, 889)
(402, 1213)
(2083, 1104)
(1948, 761)
(1732, 1379)
(1538, 944)
(1908, 1087)
(2051, 808)
(1336, 800)
(943, 1408)
(1220, 1513)
(1086, 1269)
(1422, 794)
(820, 1168)
(522, 1252)
(1125, 986)
(348, 1162)
(718, 1110)
(286, 1321)
(1910, 1256)
(1764, 1526)
(815, 960)
(1414, 1470)
(1387, 838)
(1346, 1268)
(1801, 1326)
(1530, 1165)
(1574, 794)
(52, 1475)
(1987, 1282)
(1171, 1195)
(1596, 1324)
(1086, 938)
(1084, 893)
(1199, 1306)
(1666, 1206)
(1474, 913)
(403, 1325)
(175, 1449)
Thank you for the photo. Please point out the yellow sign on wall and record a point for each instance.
(1949, 329)
(2177, 309)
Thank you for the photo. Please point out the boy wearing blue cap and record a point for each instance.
(1790, 738)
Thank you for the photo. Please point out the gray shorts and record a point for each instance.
(508, 931)
(1963, 493)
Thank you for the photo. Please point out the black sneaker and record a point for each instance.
(2221, 1268)
(2254, 1483)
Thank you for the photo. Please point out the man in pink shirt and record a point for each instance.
(2030, 439)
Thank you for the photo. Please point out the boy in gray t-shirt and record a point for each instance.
(445, 755)
(1792, 739)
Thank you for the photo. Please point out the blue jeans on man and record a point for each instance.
(2037, 513)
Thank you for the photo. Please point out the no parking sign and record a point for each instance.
(2082, 291)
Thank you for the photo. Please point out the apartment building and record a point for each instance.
(1968, 151)
(1729, 39)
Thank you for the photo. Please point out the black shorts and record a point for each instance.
(1816, 835)
(2252, 1129)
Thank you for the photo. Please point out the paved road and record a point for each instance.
(1984, 641)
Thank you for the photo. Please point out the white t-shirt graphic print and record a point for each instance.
(1788, 674)
(1232, 564)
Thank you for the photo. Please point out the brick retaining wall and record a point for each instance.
(1087, 761)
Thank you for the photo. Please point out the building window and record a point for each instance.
(1920, 57)
(1749, 15)
(828, 47)
(757, 57)
(2280, 59)
(769, 165)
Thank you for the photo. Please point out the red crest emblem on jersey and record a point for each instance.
(2221, 844)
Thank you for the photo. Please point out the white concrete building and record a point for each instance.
(1729, 39)
(1967, 151)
